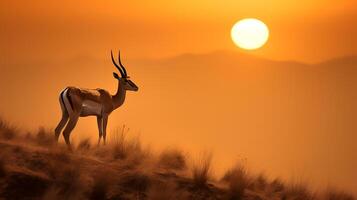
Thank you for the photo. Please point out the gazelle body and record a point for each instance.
(78, 102)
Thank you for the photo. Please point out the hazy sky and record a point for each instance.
(284, 117)
(302, 30)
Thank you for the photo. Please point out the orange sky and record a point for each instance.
(307, 31)
(285, 118)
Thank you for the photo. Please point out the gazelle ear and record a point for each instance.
(116, 75)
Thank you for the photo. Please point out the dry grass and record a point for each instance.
(298, 191)
(44, 137)
(119, 146)
(123, 169)
(238, 181)
(166, 191)
(333, 194)
(2, 168)
(84, 145)
(122, 146)
(277, 186)
(7, 131)
(101, 185)
(129, 150)
(135, 180)
(172, 159)
(260, 182)
(201, 169)
(66, 177)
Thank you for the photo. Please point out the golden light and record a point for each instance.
(250, 33)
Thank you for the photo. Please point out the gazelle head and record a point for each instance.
(124, 79)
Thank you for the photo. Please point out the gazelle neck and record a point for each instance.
(119, 97)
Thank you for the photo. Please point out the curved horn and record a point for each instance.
(117, 66)
(122, 64)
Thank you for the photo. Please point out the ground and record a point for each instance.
(34, 166)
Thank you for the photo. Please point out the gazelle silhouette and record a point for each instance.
(78, 102)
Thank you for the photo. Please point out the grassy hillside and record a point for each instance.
(32, 166)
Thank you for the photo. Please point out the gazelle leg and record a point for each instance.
(105, 122)
(61, 124)
(100, 128)
(67, 131)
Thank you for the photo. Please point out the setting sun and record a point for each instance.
(250, 34)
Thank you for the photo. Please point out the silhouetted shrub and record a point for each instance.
(238, 180)
(201, 169)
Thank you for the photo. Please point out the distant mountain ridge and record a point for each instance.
(239, 56)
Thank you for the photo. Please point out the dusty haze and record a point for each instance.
(287, 118)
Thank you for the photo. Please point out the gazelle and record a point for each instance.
(78, 102)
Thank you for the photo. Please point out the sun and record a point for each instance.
(250, 33)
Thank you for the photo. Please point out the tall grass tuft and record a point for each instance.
(238, 180)
(172, 159)
(7, 131)
(44, 137)
(201, 169)
(297, 191)
(123, 147)
(277, 185)
(260, 182)
(119, 144)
